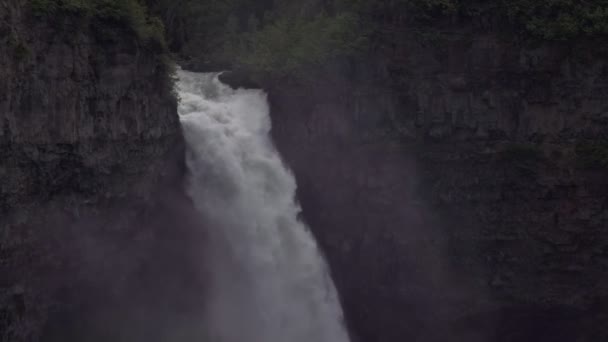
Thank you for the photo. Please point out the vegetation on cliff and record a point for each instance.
(110, 21)
(547, 20)
(593, 155)
(285, 36)
(269, 37)
(560, 19)
(129, 14)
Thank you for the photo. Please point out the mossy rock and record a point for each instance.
(521, 152)
(106, 17)
(593, 155)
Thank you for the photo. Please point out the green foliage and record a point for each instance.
(197, 25)
(560, 19)
(523, 158)
(428, 9)
(429, 36)
(547, 19)
(131, 13)
(288, 45)
(543, 19)
(20, 49)
(272, 37)
(109, 19)
(593, 154)
(168, 71)
(284, 37)
(521, 153)
(55, 7)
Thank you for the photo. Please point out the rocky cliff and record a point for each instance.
(91, 167)
(458, 184)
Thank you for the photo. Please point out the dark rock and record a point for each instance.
(91, 163)
(239, 79)
(200, 65)
(441, 178)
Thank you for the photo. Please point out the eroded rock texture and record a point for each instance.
(459, 186)
(96, 238)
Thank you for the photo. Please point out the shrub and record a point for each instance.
(288, 45)
(20, 49)
(559, 19)
(543, 19)
(130, 13)
(55, 7)
(593, 154)
(521, 153)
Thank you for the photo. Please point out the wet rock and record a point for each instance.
(239, 79)
(471, 212)
(91, 160)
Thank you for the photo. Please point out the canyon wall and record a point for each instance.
(458, 185)
(91, 162)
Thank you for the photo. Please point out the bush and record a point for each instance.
(19, 48)
(278, 37)
(547, 19)
(21, 51)
(593, 155)
(542, 19)
(288, 45)
(516, 152)
(284, 36)
(130, 13)
(560, 19)
(56, 7)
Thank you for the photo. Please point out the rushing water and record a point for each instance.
(267, 281)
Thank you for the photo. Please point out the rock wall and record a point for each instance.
(91, 166)
(458, 186)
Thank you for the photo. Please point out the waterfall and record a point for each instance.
(268, 281)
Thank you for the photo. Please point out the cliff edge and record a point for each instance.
(91, 162)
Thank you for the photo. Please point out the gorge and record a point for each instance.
(452, 171)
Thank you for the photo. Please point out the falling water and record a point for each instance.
(268, 281)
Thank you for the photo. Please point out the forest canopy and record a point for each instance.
(130, 14)
(284, 37)
(281, 36)
(278, 37)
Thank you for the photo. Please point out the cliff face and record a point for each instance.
(91, 166)
(458, 186)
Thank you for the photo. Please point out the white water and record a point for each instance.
(268, 281)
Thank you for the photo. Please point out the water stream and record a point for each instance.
(268, 281)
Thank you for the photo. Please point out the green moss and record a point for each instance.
(546, 20)
(559, 19)
(42, 8)
(153, 32)
(128, 13)
(429, 36)
(288, 45)
(168, 72)
(108, 21)
(430, 9)
(593, 154)
(20, 49)
(521, 153)
(522, 159)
